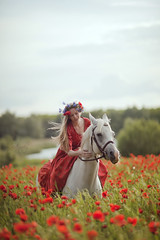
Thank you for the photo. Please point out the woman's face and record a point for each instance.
(75, 115)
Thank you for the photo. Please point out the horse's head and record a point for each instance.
(102, 139)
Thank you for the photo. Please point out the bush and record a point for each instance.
(7, 154)
(139, 137)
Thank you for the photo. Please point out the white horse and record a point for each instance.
(98, 139)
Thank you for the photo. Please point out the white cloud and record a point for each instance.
(57, 51)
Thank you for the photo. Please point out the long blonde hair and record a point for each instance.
(62, 138)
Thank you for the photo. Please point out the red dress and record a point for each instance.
(53, 175)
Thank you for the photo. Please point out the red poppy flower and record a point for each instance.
(114, 207)
(67, 113)
(73, 201)
(104, 194)
(153, 227)
(64, 197)
(140, 210)
(21, 227)
(20, 211)
(92, 234)
(62, 228)
(132, 221)
(52, 220)
(24, 217)
(98, 215)
(80, 104)
(5, 234)
(124, 190)
(118, 220)
(77, 227)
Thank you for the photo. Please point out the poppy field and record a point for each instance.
(129, 207)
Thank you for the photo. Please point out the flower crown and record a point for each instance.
(78, 106)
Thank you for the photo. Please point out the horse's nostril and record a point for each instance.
(112, 153)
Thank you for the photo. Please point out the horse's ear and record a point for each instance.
(105, 118)
(93, 120)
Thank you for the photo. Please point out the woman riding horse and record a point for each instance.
(53, 175)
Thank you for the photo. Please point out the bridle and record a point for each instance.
(93, 138)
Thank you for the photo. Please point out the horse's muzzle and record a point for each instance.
(113, 156)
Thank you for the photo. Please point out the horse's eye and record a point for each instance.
(105, 124)
(99, 134)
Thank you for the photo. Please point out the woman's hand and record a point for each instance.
(80, 152)
(85, 154)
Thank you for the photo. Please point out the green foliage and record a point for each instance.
(35, 126)
(130, 186)
(139, 137)
(7, 154)
(8, 125)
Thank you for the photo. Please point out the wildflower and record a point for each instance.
(119, 220)
(104, 226)
(37, 237)
(23, 227)
(140, 210)
(97, 203)
(13, 195)
(73, 201)
(62, 228)
(20, 211)
(132, 221)
(153, 227)
(24, 217)
(64, 197)
(98, 215)
(60, 205)
(77, 227)
(46, 200)
(145, 195)
(28, 193)
(3, 188)
(158, 212)
(124, 190)
(5, 234)
(67, 113)
(92, 234)
(104, 194)
(114, 207)
(125, 196)
(52, 220)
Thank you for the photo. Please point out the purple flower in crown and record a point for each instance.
(66, 111)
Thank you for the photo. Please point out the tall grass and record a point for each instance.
(129, 208)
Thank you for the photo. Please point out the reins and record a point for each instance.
(93, 137)
(92, 159)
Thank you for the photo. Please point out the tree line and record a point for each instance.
(137, 130)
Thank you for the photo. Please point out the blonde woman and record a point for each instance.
(53, 175)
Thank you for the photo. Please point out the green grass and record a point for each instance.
(132, 184)
(25, 146)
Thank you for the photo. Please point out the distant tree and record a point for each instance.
(33, 127)
(139, 137)
(7, 154)
(8, 125)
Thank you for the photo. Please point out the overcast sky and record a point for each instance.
(104, 53)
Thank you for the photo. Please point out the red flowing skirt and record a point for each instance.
(53, 175)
